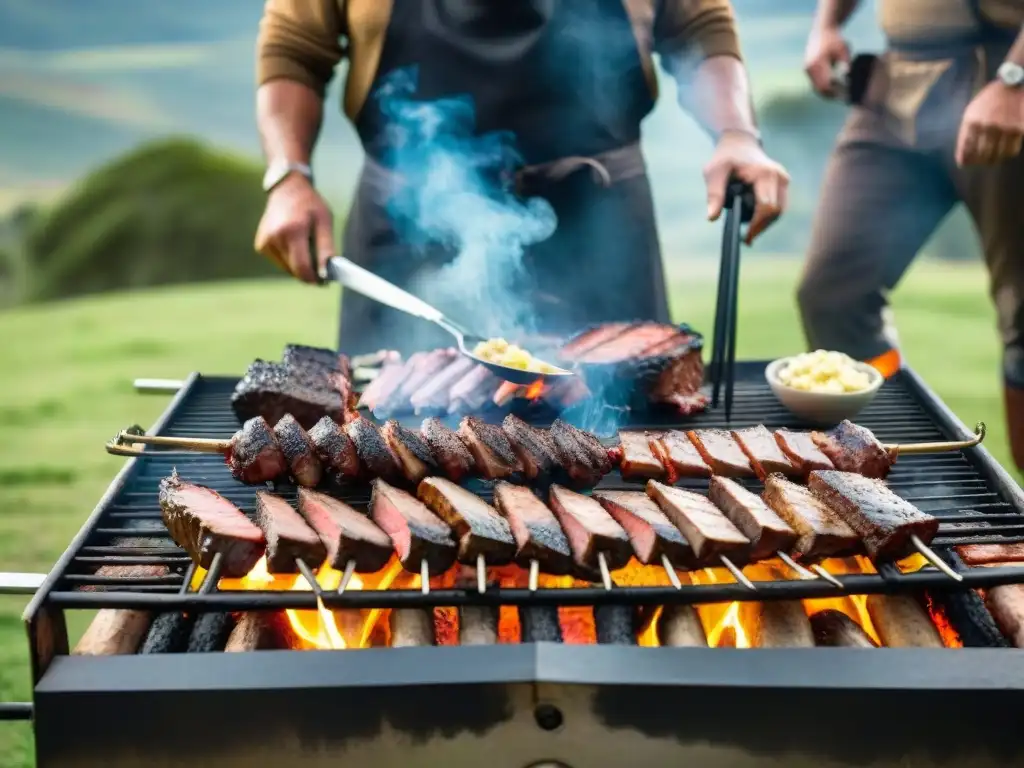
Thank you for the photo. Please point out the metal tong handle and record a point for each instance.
(360, 280)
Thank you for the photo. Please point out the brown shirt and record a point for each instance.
(924, 20)
(304, 40)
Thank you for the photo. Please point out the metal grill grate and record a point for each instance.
(976, 500)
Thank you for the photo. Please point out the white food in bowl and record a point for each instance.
(511, 356)
(826, 372)
(821, 394)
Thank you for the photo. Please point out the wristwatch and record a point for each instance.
(1011, 74)
(278, 172)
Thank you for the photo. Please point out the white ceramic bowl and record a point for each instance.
(821, 408)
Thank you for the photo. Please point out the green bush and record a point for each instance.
(172, 211)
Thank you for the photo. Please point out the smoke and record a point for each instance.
(457, 193)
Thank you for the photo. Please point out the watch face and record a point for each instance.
(1011, 73)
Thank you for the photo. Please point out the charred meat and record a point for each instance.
(288, 537)
(884, 521)
(537, 533)
(987, 554)
(255, 456)
(581, 455)
(333, 447)
(801, 451)
(650, 531)
(834, 629)
(416, 533)
(677, 452)
(768, 533)
(272, 389)
(590, 530)
(477, 525)
(204, 523)
(534, 447)
(346, 534)
(447, 450)
(759, 445)
(638, 460)
(822, 533)
(853, 448)
(299, 452)
(491, 449)
(721, 452)
(410, 449)
(703, 525)
(375, 457)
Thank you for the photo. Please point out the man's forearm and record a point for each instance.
(834, 13)
(288, 115)
(720, 97)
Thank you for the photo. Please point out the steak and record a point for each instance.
(590, 530)
(255, 456)
(435, 395)
(822, 533)
(287, 535)
(708, 531)
(768, 533)
(759, 445)
(447, 450)
(853, 448)
(490, 447)
(801, 451)
(679, 455)
(580, 454)
(333, 447)
(421, 369)
(650, 531)
(383, 386)
(477, 525)
(272, 390)
(410, 450)
(375, 457)
(721, 452)
(416, 533)
(534, 447)
(299, 452)
(537, 534)
(345, 533)
(304, 357)
(204, 523)
(472, 392)
(987, 554)
(638, 460)
(884, 521)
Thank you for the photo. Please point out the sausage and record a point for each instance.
(783, 624)
(834, 629)
(901, 622)
(680, 627)
(114, 632)
(1006, 604)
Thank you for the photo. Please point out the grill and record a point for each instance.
(530, 704)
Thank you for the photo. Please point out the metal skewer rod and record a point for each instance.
(481, 573)
(308, 575)
(212, 576)
(826, 575)
(424, 577)
(346, 577)
(534, 575)
(800, 571)
(671, 571)
(606, 576)
(934, 559)
(736, 572)
(135, 434)
(939, 447)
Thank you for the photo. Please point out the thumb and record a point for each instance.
(716, 178)
(323, 240)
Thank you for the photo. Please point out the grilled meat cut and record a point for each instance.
(477, 525)
(590, 530)
(631, 342)
(759, 445)
(853, 448)
(255, 455)
(420, 371)
(287, 535)
(384, 384)
(471, 393)
(834, 629)
(537, 534)
(1006, 604)
(768, 533)
(272, 389)
(375, 457)
(581, 455)
(822, 533)
(650, 531)
(346, 534)
(434, 396)
(801, 451)
(884, 521)
(721, 452)
(335, 450)
(299, 452)
(679, 455)
(987, 554)
(302, 356)
(534, 447)
(416, 533)
(638, 460)
(204, 523)
(703, 525)
(410, 449)
(447, 450)
(490, 447)
(592, 338)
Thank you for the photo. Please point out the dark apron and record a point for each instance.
(566, 79)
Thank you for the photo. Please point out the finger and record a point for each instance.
(270, 248)
(324, 239)
(766, 207)
(299, 260)
(966, 144)
(1009, 146)
(820, 74)
(987, 147)
(716, 177)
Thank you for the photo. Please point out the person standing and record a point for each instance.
(571, 80)
(941, 123)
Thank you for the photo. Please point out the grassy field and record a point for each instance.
(66, 374)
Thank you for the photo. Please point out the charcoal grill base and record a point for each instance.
(462, 707)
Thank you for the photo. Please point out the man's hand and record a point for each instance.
(992, 129)
(296, 214)
(825, 49)
(740, 155)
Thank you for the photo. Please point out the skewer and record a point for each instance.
(346, 577)
(424, 577)
(534, 575)
(672, 575)
(826, 575)
(481, 573)
(953, 445)
(606, 576)
(308, 575)
(802, 572)
(212, 576)
(736, 572)
(136, 434)
(934, 559)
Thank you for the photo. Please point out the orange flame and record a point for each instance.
(534, 390)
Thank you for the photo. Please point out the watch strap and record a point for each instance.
(278, 172)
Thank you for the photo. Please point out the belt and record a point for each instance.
(953, 46)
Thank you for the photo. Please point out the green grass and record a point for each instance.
(66, 372)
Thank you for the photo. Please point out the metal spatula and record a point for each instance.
(360, 280)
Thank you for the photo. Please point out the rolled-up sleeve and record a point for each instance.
(696, 29)
(299, 40)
